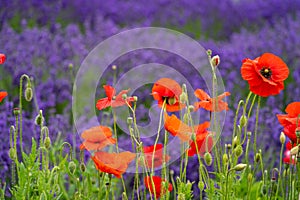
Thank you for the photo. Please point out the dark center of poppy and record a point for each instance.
(266, 72)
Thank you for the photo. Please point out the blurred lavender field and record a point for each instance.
(42, 39)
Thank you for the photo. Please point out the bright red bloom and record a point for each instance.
(265, 74)
(177, 128)
(201, 134)
(287, 154)
(209, 103)
(158, 155)
(289, 120)
(111, 99)
(96, 138)
(168, 90)
(2, 95)
(2, 58)
(113, 163)
(158, 187)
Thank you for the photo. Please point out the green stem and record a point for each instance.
(256, 126)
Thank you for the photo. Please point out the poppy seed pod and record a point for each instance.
(129, 120)
(16, 111)
(28, 94)
(72, 167)
(243, 120)
(208, 158)
(282, 138)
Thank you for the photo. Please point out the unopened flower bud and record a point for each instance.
(228, 146)
(282, 138)
(171, 100)
(238, 150)
(191, 108)
(240, 167)
(72, 167)
(28, 94)
(124, 196)
(257, 157)
(225, 158)
(201, 185)
(12, 154)
(264, 190)
(114, 67)
(71, 66)
(294, 150)
(135, 98)
(209, 52)
(215, 61)
(235, 141)
(171, 172)
(39, 120)
(82, 167)
(249, 133)
(250, 177)
(129, 120)
(243, 120)
(124, 96)
(12, 129)
(47, 142)
(181, 196)
(183, 97)
(208, 158)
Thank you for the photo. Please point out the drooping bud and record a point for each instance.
(208, 158)
(240, 167)
(238, 150)
(47, 142)
(215, 61)
(12, 154)
(282, 138)
(28, 94)
(243, 120)
(45, 131)
(72, 167)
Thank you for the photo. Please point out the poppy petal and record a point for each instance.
(3, 95)
(110, 91)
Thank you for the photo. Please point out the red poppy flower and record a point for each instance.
(287, 154)
(168, 90)
(209, 103)
(177, 128)
(2, 58)
(96, 138)
(265, 74)
(113, 163)
(111, 99)
(289, 120)
(201, 134)
(2, 95)
(158, 155)
(158, 187)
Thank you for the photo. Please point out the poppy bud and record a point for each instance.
(201, 185)
(12, 129)
(249, 133)
(209, 52)
(208, 158)
(47, 142)
(235, 141)
(215, 61)
(124, 196)
(171, 172)
(114, 67)
(28, 94)
(240, 167)
(72, 167)
(264, 190)
(225, 158)
(183, 97)
(171, 101)
(243, 120)
(238, 150)
(71, 66)
(82, 167)
(135, 98)
(282, 138)
(16, 111)
(2, 58)
(294, 150)
(257, 157)
(39, 120)
(250, 177)
(191, 108)
(124, 96)
(181, 196)
(228, 146)
(12, 154)
(129, 120)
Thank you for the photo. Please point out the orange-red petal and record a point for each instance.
(157, 182)
(2, 58)
(177, 128)
(2, 95)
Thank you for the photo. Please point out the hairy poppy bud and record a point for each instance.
(243, 120)
(250, 177)
(39, 120)
(208, 158)
(282, 138)
(201, 185)
(45, 131)
(12, 154)
(235, 141)
(238, 150)
(215, 61)
(47, 142)
(28, 94)
(225, 158)
(82, 167)
(240, 167)
(72, 167)
(129, 120)
(249, 133)
(71, 66)
(124, 196)
(257, 157)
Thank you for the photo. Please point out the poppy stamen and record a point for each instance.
(266, 72)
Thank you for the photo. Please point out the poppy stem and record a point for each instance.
(256, 125)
